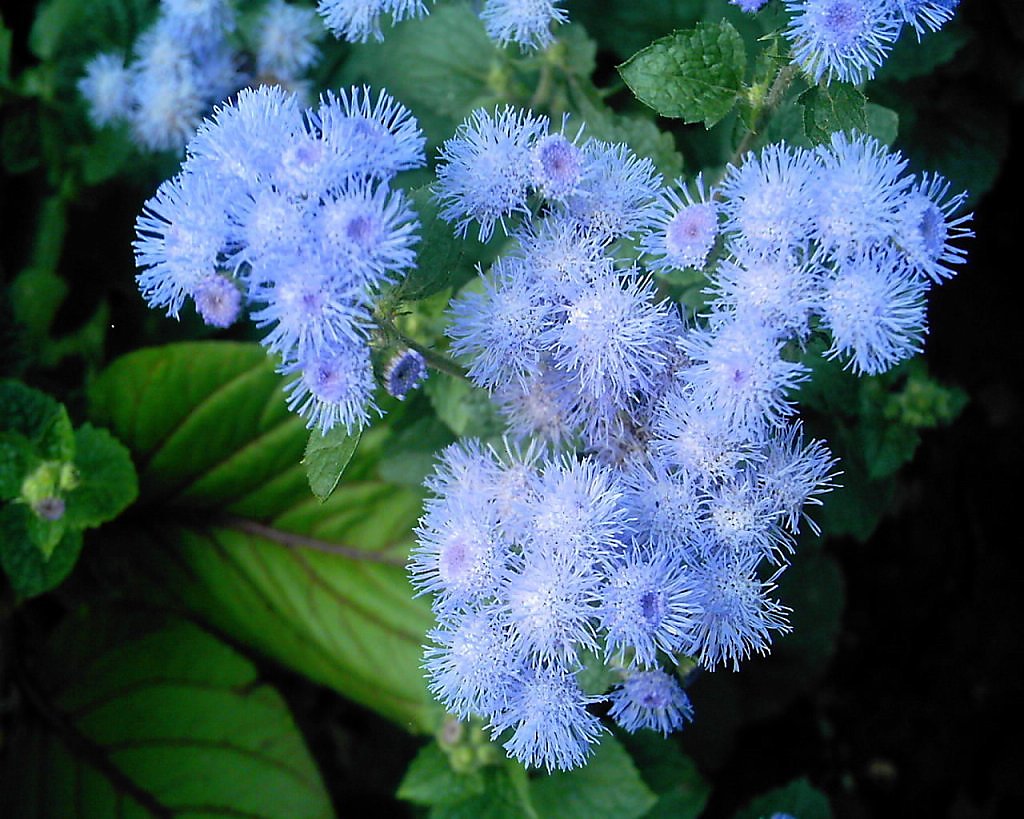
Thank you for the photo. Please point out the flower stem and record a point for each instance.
(433, 359)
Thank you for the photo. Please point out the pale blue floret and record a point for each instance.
(645, 606)
(795, 474)
(739, 372)
(180, 234)
(874, 306)
(741, 518)
(218, 300)
(749, 6)
(524, 22)
(735, 615)
(767, 199)
(927, 226)
(541, 408)
(167, 108)
(926, 14)
(845, 40)
(860, 192)
(198, 21)
(778, 288)
(498, 328)
(107, 89)
(666, 505)
(470, 668)
(684, 228)
(286, 38)
(359, 20)
(547, 714)
(558, 166)
(650, 699)
(485, 170)
(334, 387)
(618, 193)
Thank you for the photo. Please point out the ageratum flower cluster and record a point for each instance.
(848, 40)
(661, 474)
(290, 213)
(186, 62)
(524, 22)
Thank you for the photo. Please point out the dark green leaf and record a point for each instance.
(441, 66)
(625, 28)
(682, 791)
(798, 798)
(152, 716)
(696, 75)
(831, 108)
(39, 418)
(467, 410)
(6, 38)
(883, 123)
(608, 786)
(236, 536)
(326, 458)
(911, 58)
(17, 457)
(37, 294)
(107, 481)
(30, 572)
(430, 780)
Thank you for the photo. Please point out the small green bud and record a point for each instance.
(462, 760)
(69, 477)
(41, 483)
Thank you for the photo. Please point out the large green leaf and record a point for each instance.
(144, 715)
(696, 75)
(227, 527)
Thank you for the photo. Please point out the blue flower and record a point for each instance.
(107, 89)
(335, 386)
(926, 14)
(645, 606)
(666, 505)
(845, 40)
(485, 170)
(286, 40)
(558, 165)
(683, 231)
(650, 699)
(525, 22)
(794, 475)
(767, 199)
(359, 20)
(218, 300)
(734, 614)
(874, 307)
(547, 714)
(926, 227)
(860, 192)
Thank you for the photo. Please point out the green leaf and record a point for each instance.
(883, 123)
(38, 417)
(831, 108)
(30, 571)
(682, 791)
(152, 716)
(233, 533)
(467, 410)
(608, 786)
(798, 798)
(6, 38)
(912, 58)
(695, 75)
(430, 780)
(17, 457)
(326, 458)
(501, 798)
(442, 260)
(106, 476)
(441, 66)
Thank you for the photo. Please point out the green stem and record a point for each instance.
(433, 359)
(772, 99)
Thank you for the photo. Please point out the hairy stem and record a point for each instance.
(433, 359)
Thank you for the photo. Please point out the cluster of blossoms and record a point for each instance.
(524, 22)
(292, 213)
(661, 475)
(847, 40)
(185, 63)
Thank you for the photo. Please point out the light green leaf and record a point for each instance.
(107, 481)
(326, 458)
(153, 717)
(30, 571)
(695, 75)
(501, 798)
(430, 780)
(608, 786)
(831, 108)
(235, 535)
(467, 410)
